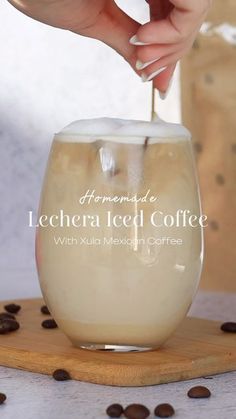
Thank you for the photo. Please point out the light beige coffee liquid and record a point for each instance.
(119, 294)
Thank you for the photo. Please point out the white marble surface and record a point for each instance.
(34, 396)
(31, 396)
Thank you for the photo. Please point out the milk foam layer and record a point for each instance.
(127, 131)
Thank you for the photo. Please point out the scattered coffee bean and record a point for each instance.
(4, 328)
(229, 327)
(164, 410)
(3, 397)
(49, 324)
(44, 310)
(136, 411)
(199, 392)
(7, 316)
(12, 308)
(115, 410)
(13, 324)
(61, 375)
(8, 325)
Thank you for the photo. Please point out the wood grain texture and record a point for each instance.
(198, 348)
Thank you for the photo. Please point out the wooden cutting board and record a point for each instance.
(198, 348)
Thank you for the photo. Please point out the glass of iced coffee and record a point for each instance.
(119, 239)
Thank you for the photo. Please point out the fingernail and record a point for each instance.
(140, 65)
(144, 77)
(134, 41)
(163, 95)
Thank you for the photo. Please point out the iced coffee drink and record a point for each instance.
(119, 237)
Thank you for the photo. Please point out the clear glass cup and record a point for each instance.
(117, 266)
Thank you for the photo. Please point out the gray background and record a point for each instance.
(48, 78)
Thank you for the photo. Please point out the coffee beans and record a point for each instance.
(8, 321)
(49, 324)
(5, 315)
(12, 308)
(44, 310)
(199, 392)
(164, 410)
(3, 397)
(61, 375)
(136, 411)
(8, 325)
(12, 324)
(4, 328)
(115, 410)
(133, 411)
(229, 327)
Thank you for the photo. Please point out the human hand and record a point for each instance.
(167, 38)
(164, 40)
(99, 19)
